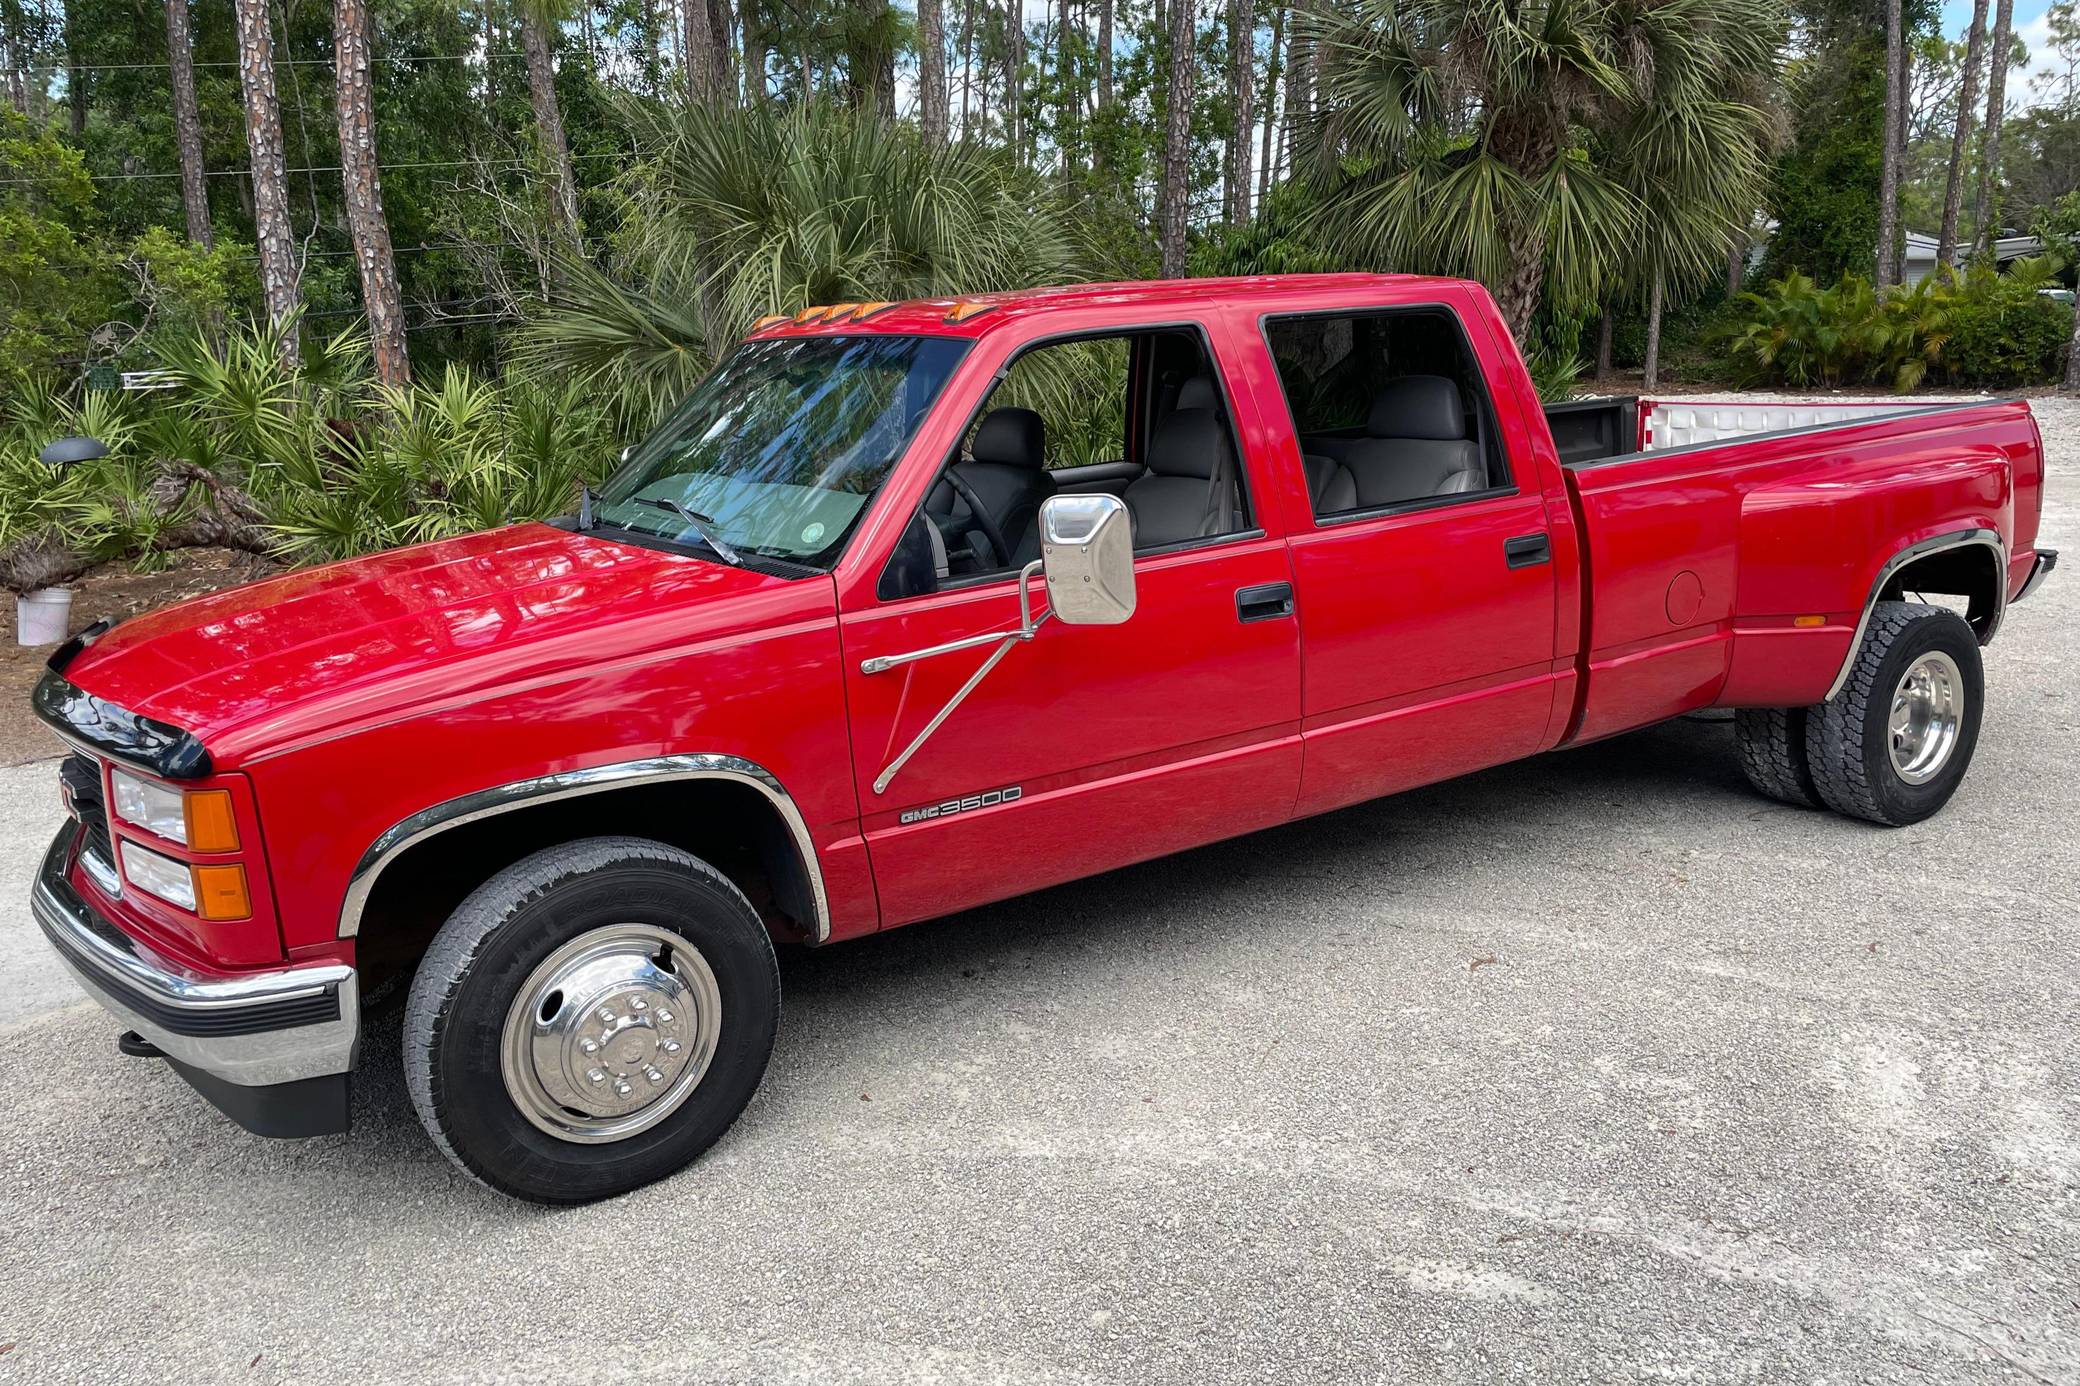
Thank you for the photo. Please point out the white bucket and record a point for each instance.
(44, 617)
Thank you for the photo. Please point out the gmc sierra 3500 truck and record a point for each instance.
(915, 606)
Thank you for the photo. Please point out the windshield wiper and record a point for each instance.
(703, 523)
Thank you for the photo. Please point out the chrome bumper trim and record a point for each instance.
(2047, 559)
(253, 1031)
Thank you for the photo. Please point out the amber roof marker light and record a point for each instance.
(965, 309)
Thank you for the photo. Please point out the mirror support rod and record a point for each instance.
(1028, 627)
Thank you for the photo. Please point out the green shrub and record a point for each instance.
(2006, 340)
(1977, 328)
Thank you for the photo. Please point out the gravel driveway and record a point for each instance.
(1591, 1068)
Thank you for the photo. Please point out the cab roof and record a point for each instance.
(976, 315)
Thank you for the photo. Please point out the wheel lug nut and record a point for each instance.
(596, 1076)
(664, 1017)
(589, 1046)
(671, 1046)
(606, 1013)
(639, 1004)
(622, 1089)
(653, 1075)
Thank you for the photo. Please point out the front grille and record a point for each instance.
(81, 777)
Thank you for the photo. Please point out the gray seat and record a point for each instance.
(1177, 498)
(1330, 485)
(1415, 446)
(1007, 473)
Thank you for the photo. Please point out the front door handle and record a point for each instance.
(1527, 550)
(1273, 601)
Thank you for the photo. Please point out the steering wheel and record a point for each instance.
(1000, 556)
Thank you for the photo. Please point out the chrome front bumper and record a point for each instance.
(272, 1049)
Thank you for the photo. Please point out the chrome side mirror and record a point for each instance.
(1087, 557)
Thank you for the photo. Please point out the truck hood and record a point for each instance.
(257, 669)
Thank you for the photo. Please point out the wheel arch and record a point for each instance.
(1970, 562)
(728, 810)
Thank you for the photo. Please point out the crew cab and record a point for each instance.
(911, 607)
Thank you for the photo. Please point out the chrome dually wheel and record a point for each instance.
(611, 1033)
(590, 1019)
(1927, 710)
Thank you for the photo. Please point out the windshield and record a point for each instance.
(778, 451)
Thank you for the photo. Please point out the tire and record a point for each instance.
(1772, 744)
(656, 941)
(1850, 745)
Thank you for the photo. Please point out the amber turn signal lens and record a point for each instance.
(211, 827)
(220, 893)
(1808, 621)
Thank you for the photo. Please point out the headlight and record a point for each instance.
(213, 892)
(199, 819)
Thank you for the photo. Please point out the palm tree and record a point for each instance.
(364, 191)
(187, 124)
(736, 214)
(538, 20)
(1177, 138)
(279, 277)
(1483, 138)
(1997, 59)
(1967, 98)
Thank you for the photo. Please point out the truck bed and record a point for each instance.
(1735, 569)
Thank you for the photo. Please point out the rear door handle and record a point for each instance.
(1272, 601)
(1527, 550)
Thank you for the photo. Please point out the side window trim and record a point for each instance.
(1484, 407)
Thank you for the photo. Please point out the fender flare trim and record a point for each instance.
(1912, 553)
(571, 784)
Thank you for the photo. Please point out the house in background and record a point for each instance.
(1921, 253)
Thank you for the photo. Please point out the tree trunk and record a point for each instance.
(1603, 347)
(363, 183)
(278, 271)
(931, 70)
(967, 63)
(1653, 371)
(1065, 79)
(1177, 139)
(1242, 88)
(754, 46)
(703, 59)
(187, 124)
(1996, 116)
(75, 78)
(1274, 65)
(1967, 98)
(1299, 89)
(548, 121)
(1105, 9)
(1517, 295)
(1736, 263)
(1886, 273)
(1014, 77)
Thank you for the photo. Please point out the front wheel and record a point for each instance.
(1894, 744)
(590, 1020)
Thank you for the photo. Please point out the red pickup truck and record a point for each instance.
(915, 606)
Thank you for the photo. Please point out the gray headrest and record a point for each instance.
(1198, 393)
(1189, 442)
(1010, 437)
(1418, 406)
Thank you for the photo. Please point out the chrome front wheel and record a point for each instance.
(611, 1033)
